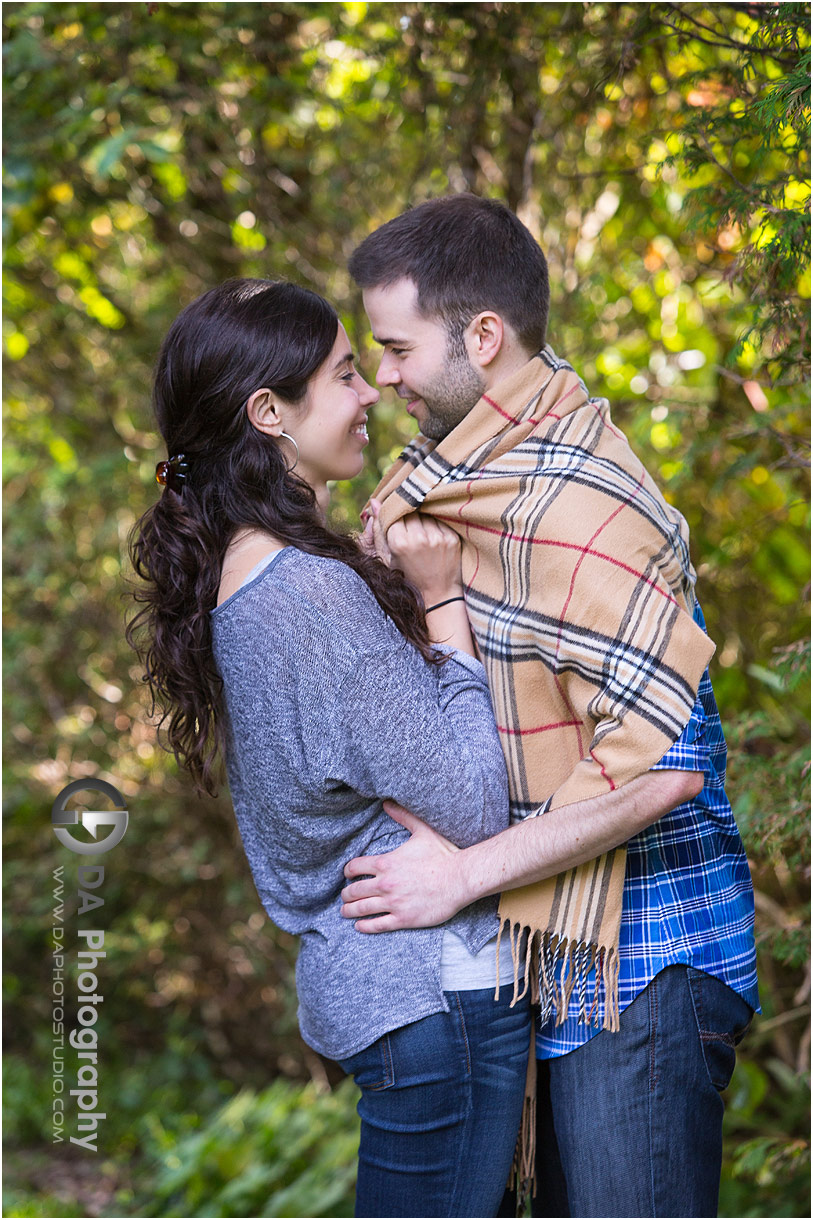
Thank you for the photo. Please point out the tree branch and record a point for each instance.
(728, 44)
(747, 190)
(731, 43)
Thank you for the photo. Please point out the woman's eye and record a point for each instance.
(348, 376)
(398, 351)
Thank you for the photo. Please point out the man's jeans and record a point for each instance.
(630, 1124)
(441, 1101)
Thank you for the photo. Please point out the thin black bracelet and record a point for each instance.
(438, 605)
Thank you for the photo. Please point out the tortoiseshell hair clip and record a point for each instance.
(173, 472)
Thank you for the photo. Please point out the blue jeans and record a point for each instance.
(630, 1124)
(441, 1101)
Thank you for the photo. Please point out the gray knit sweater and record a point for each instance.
(330, 711)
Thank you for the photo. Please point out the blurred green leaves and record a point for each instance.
(286, 1151)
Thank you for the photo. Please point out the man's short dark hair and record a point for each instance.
(465, 255)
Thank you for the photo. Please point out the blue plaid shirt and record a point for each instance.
(688, 896)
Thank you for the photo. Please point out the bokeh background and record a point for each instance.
(659, 152)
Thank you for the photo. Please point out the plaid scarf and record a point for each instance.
(580, 591)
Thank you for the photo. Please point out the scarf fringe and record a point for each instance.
(555, 967)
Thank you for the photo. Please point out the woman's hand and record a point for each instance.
(372, 540)
(429, 554)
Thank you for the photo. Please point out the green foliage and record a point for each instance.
(152, 150)
(286, 1151)
(145, 1084)
(45, 1205)
(767, 1149)
(745, 142)
(767, 1164)
(289, 1150)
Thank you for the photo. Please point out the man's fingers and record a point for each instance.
(361, 866)
(365, 906)
(384, 923)
(403, 817)
(370, 887)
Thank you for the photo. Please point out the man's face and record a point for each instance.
(437, 381)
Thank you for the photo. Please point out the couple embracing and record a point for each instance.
(474, 752)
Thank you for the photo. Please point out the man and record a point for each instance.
(581, 598)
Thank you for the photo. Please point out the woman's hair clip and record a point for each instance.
(173, 472)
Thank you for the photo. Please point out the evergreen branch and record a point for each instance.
(746, 190)
(734, 42)
(728, 44)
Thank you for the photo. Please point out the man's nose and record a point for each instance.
(387, 371)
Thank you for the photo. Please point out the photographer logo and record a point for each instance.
(92, 820)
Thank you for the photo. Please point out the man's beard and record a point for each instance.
(452, 396)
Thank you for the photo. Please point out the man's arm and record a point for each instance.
(428, 880)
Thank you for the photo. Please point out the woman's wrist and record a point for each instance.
(433, 594)
(447, 601)
(449, 624)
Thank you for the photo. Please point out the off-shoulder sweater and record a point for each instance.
(329, 711)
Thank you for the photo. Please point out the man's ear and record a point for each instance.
(264, 412)
(484, 338)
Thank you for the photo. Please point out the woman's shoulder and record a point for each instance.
(308, 594)
(289, 570)
(342, 601)
(322, 581)
(246, 555)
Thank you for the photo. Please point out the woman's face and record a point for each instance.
(330, 427)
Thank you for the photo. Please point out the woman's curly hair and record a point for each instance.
(236, 338)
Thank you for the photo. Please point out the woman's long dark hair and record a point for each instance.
(233, 340)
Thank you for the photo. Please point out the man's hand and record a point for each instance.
(414, 886)
(428, 880)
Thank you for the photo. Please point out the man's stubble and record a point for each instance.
(453, 394)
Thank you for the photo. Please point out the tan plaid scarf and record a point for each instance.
(580, 592)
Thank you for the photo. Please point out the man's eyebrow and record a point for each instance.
(389, 342)
(348, 359)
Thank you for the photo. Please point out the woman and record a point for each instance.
(314, 669)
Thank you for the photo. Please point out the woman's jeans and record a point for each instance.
(630, 1124)
(441, 1101)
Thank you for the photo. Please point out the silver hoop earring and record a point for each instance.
(288, 437)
